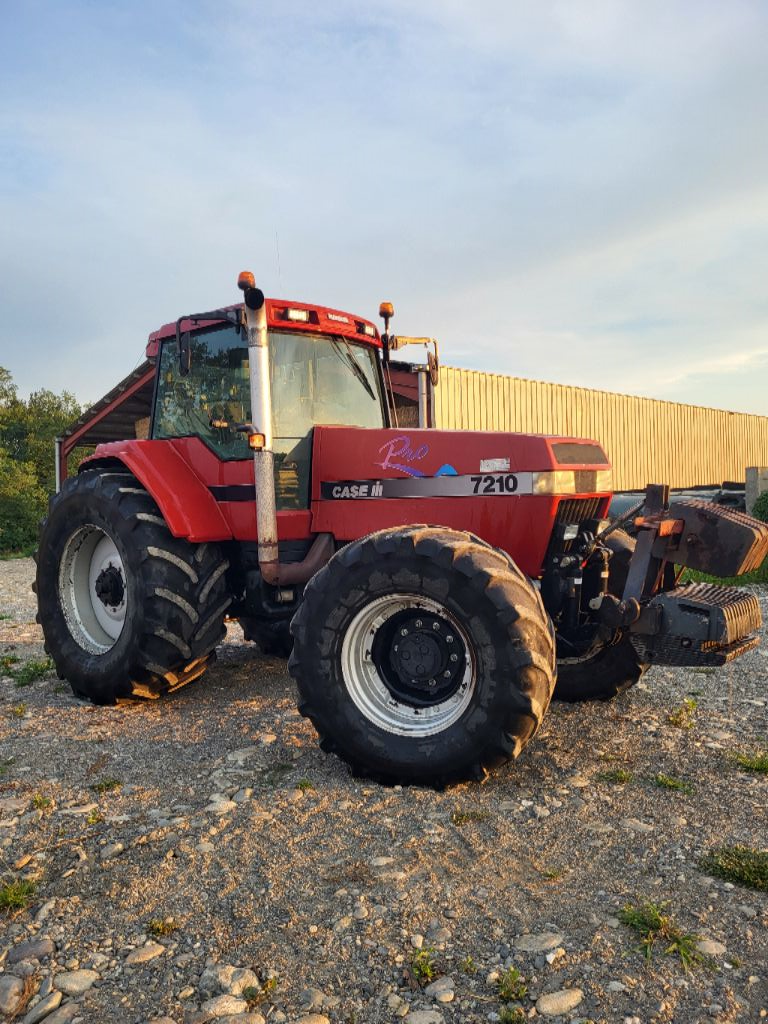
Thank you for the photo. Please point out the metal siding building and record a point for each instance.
(647, 440)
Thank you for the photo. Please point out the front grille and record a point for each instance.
(573, 510)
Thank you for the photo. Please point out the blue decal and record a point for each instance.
(446, 470)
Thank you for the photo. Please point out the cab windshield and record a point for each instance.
(315, 380)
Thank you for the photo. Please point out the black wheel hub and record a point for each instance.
(110, 587)
(420, 657)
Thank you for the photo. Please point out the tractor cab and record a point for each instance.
(323, 369)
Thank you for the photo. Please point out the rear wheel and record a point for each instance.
(612, 666)
(422, 655)
(126, 608)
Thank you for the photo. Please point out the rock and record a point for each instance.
(441, 990)
(616, 986)
(312, 999)
(555, 954)
(636, 826)
(161, 1020)
(440, 935)
(710, 948)
(221, 807)
(242, 796)
(112, 850)
(538, 942)
(65, 1014)
(417, 941)
(381, 862)
(222, 1006)
(43, 1008)
(11, 991)
(553, 1004)
(425, 1017)
(226, 979)
(32, 949)
(74, 983)
(313, 1018)
(144, 953)
(205, 847)
(242, 1018)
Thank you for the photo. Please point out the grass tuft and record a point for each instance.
(106, 785)
(616, 775)
(742, 865)
(670, 782)
(511, 986)
(160, 927)
(465, 817)
(305, 784)
(41, 802)
(16, 895)
(684, 717)
(755, 761)
(31, 671)
(512, 1015)
(468, 965)
(423, 967)
(654, 926)
(19, 710)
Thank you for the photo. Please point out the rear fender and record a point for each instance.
(187, 505)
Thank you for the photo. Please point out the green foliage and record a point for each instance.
(16, 895)
(653, 925)
(423, 966)
(684, 717)
(106, 785)
(30, 671)
(616, 775)
(27, 430)
(512, 1015)
(760, 508)
(160, 927)
(468, 965)
(465, 817)
(670, 782)
(754, 761)
(41, 802)
(511, 986)
(740, 864)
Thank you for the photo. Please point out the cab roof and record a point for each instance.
(321, 320)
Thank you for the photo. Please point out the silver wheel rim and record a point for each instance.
(94, 623)
(370, 693)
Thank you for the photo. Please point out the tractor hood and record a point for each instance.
(366, 480)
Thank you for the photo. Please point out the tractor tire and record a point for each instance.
(422, 655)
(272, 635)
(127, 609)
(613, 667)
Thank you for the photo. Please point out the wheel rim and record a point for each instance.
(92, 589)
(408, 665)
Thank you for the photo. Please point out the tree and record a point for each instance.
(27, 475)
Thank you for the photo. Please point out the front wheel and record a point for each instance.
(422, 655)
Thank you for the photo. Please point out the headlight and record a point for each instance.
(555, 481)
(604, 480)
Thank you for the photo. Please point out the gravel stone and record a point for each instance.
(709, 947)
(222, 1006)
(554, 1004)
(33, 949)
(442, 990)
(538, 942)
(425, 1017)
(11, 990)
(75, 983)
(145, 953)
(43, 1008)
(65, 1014)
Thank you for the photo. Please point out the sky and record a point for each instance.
(566, 191)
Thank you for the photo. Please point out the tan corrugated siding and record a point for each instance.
(647, 440)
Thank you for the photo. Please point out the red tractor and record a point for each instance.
(276, 488)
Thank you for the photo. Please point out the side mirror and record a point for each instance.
(185, 354)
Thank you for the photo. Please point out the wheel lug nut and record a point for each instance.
(454, 657)
(432, 682)
(403, 632)
(446, 675)
(417, 623)
(435, 625)
(449, 639)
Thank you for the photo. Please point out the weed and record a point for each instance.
(616, 775)
(423, 966)
(4, 617)
(162, 926)
(684, 717)
(553, 874)
(743, 865)
(511, 986)
(19, 710)
(94, 817)
(512, 1015)
(670, 782)
(464, 817)
(16, 895)
(7, 661)
(304, 785)
(653, 925)
(468, 965)
(757, 761)
(106, 785)
(41, 802)
(5, 764)
(61, 688)
(31, 671)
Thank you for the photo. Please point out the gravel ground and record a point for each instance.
(172, 844)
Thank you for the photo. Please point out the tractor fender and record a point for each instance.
(188, 507)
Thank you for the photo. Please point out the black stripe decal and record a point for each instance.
(234, 492)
